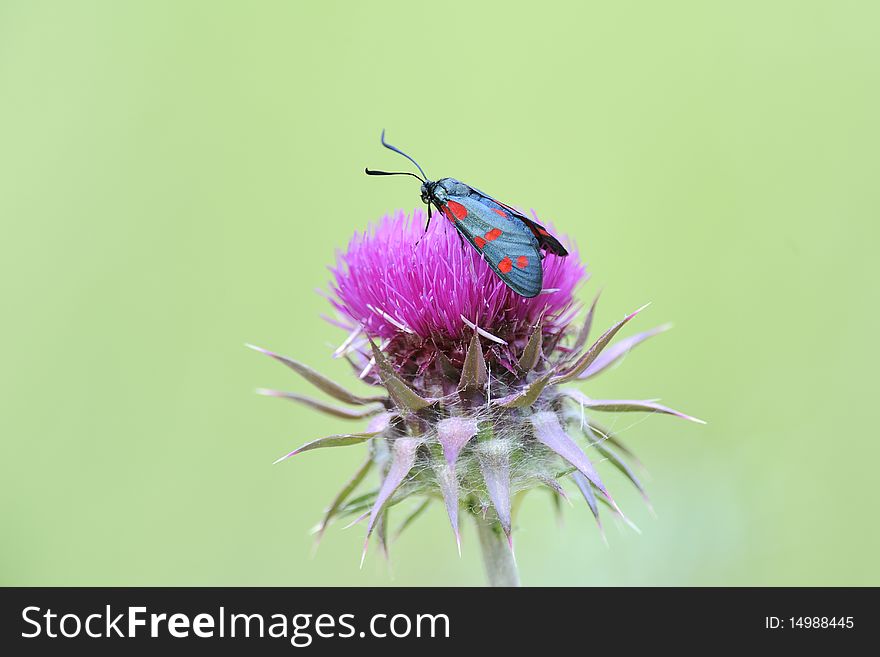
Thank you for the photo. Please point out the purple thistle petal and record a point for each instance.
(549, 432)
(336, 411)
(403, 457)
(483, 332)
(342, 349)
(453, 433)
(626, 405)
(494, 458)
(318, 380)
(344, 325)
(403, 327)
(619, 350)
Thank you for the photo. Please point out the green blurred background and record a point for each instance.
(174, 180)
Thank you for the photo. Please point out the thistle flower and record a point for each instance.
(474, 403)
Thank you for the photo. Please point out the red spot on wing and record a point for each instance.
(543, 232)
(505, 265)
(500, 211)
(457, 209)
(522, 262)
(480, 242)
(493, 234)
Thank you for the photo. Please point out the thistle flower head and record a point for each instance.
(396, 278)
(473, 402)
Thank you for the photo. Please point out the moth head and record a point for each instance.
(433, 192)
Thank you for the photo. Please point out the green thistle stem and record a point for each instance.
(497, 556)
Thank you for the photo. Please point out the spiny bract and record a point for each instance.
(473, 405)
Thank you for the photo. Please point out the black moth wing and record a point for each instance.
(507, 245)
(545, 239)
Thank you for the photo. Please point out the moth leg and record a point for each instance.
(428, 223)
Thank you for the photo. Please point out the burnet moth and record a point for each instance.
(509, 241)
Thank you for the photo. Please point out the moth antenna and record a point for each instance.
(373, 172)
(400, 152)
